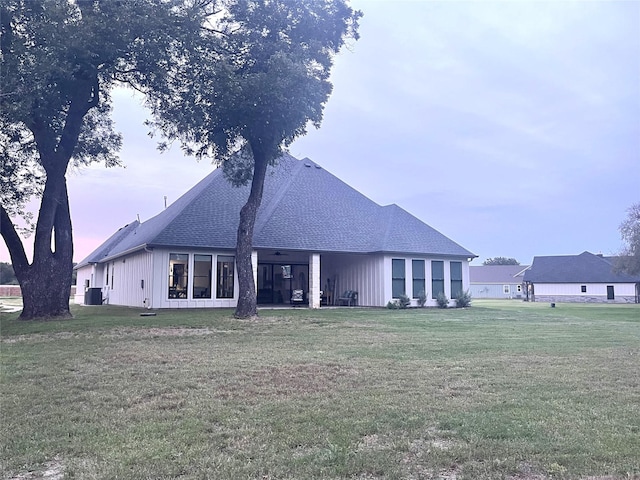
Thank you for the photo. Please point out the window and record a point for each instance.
(107, 274)
(456, 278)
(437, 278)
(610, 293)
(583, 288)
(519, 288)
(417, 267)
(224, 288)
(397, 277)
(506, 289)
(113, 267)
(202, 276)
(178, 275)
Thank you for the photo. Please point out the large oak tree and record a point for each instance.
(59, 60)
(248, 98)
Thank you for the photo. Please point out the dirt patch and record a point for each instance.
(284, 381)
(116, 333)
(52, 470)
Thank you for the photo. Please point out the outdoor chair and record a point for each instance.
(350, 298)
(297, 297)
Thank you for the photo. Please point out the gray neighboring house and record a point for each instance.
(313, 233)
(497, 281)
(579, 278)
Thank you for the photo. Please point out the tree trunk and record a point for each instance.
(247, 299)
(46, 282)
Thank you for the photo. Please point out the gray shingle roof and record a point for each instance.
(502, 274)
(304, 207)
(583, 268)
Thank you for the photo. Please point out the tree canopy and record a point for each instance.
(221, 76)
(629, 258)
(254, 79)
(59, 60)
(501, 261)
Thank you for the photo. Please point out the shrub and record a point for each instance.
(442, 300)
(463, 299)
(403, 301)
(422, 298)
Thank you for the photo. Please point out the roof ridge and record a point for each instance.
(265, 215)
(386, 210)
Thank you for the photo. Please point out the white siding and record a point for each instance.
(574, 289)
(362, 273)
(130, 280)
(370, 276)
(160, 294)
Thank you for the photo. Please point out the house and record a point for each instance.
(579, 278)
(313, 233)
(497, 281)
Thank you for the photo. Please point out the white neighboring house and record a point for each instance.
(313, 233)
(579, 278)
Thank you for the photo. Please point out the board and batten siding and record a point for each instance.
(362, 273)
(130, 282)
(370, 276)
(160, 294)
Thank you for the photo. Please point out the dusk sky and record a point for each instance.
(511, 127)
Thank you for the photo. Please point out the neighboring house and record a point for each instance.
(497, 281)
(313, 233)
(579, 278)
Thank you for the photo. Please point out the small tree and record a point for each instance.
(629, 258)
(501, 261)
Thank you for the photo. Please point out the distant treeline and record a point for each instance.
(8, 276)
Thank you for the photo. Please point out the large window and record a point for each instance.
(456, 279)
(417, 267)
(437, 278)
(202, 276)
(225, 277)
(178, 275)
(397, 277)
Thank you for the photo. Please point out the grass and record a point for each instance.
(502, 390)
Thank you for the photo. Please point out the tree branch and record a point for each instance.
(13, 242)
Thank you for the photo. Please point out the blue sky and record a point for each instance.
(511, 127)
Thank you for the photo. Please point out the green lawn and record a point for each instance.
(502, 390)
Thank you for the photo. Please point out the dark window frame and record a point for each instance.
(202, 289)
(456, 280)
(225, 276)
(398, 283)
(437, 278)
(419, 282)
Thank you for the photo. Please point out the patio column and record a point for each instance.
(254, 266)
(314, 280)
